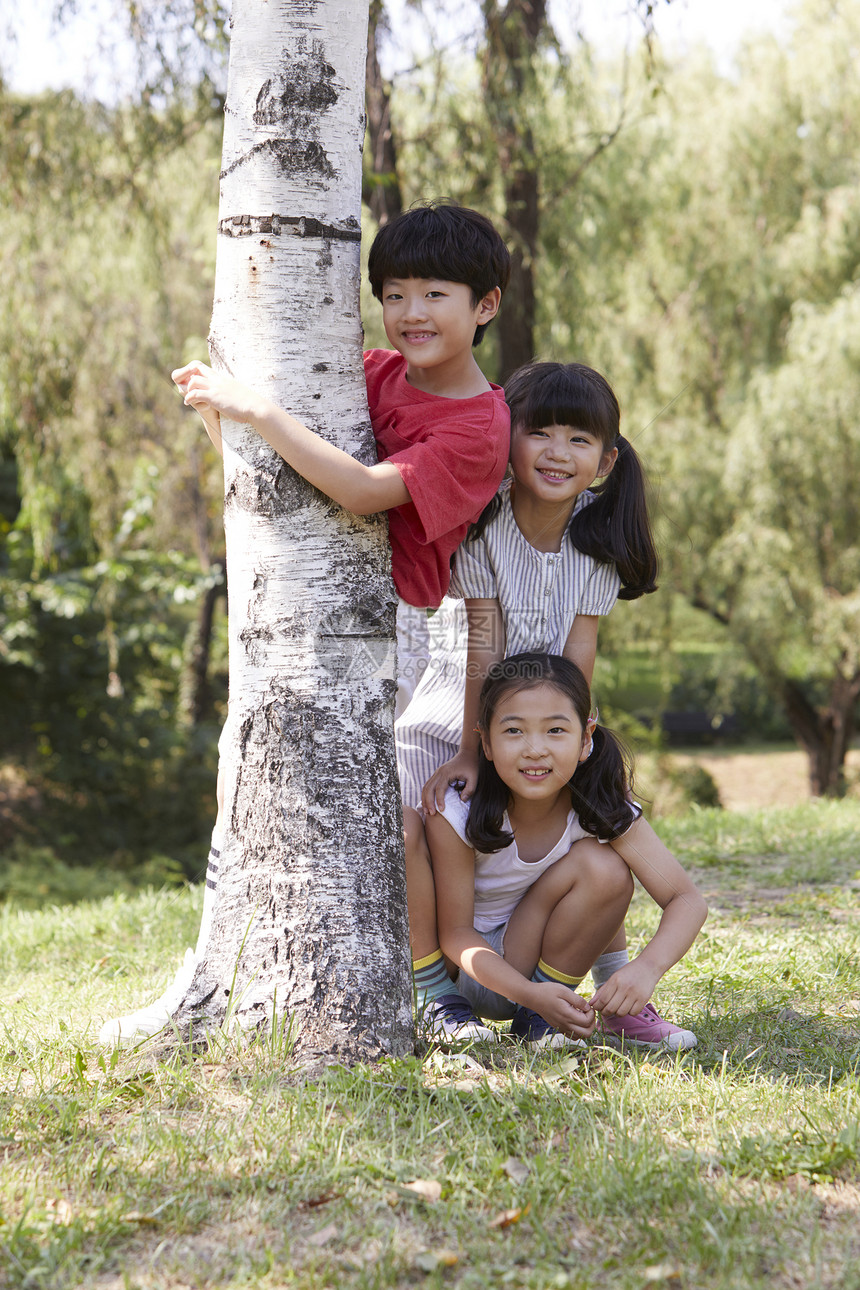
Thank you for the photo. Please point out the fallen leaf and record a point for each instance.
(516, 1169)
(461, 1061)
(135, 1216)
(508, 1217)
(426, 1188)
(560, 1071)
(662, 1272)
(324, 1235)
(60, 1211)
(313, 1202)
(430, 1260)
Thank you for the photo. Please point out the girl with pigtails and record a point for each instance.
(567, 534)
(534, 874)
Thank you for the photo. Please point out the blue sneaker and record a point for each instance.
(451, 1017)
(530, 1028)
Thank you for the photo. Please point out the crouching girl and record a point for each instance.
(533, 876)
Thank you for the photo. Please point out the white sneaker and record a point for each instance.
(451, 1017)
(148, 1021)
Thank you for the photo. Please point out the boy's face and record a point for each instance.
(432, 322)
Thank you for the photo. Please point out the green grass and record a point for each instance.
(737, 1165)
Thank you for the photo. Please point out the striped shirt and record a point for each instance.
(540, 593)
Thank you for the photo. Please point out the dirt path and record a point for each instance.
(750, 780)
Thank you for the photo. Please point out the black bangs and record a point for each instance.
(440, 240)
(565, 394)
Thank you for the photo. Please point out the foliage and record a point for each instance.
(720, 354)
(33, 877)
(735, 1166)
(105, 491)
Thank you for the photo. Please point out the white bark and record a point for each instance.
(311, 878)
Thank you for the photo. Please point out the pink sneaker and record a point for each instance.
(647, 1029)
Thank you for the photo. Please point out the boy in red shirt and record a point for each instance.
(442, 435)
(442, 431)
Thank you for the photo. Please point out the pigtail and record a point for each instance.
(485, 829)
(615, 528)
(600, 788)
(489, 513)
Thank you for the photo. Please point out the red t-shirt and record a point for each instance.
(451, 454)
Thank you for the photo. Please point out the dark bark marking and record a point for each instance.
(308, 158)
(272, 490)
(296, 225)
(302, 90)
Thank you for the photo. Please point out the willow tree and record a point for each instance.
(309, 922)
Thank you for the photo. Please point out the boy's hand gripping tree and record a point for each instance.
(309, 922)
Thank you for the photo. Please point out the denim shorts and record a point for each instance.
(486, 1003)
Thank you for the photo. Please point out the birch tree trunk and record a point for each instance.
(309, 921)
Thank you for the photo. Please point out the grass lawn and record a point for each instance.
(737, 1165)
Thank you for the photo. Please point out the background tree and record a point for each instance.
(381, 186)
(763, 206)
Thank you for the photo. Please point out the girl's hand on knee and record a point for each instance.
(563, 1009)
(627, 990)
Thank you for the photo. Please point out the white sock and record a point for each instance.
(209, 891)
(608, 963)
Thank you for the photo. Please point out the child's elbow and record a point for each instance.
(362, 494)
(702, 910)
(364, 503)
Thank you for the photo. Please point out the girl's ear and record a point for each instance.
(485, 743)
(587, 739)
(607, 461)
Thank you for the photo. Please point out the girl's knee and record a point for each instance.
(602, 869)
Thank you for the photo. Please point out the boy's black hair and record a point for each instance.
(614, 528)
(600, 785)
(442, 240)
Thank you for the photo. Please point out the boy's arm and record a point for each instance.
(364, 490)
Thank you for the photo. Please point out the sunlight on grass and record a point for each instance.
(735, 1165)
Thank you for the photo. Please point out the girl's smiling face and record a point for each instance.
(557, 463)
(535, 740)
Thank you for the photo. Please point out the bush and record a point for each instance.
(32, 877)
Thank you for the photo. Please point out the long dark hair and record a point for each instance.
(614, 528)
(600, 785)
